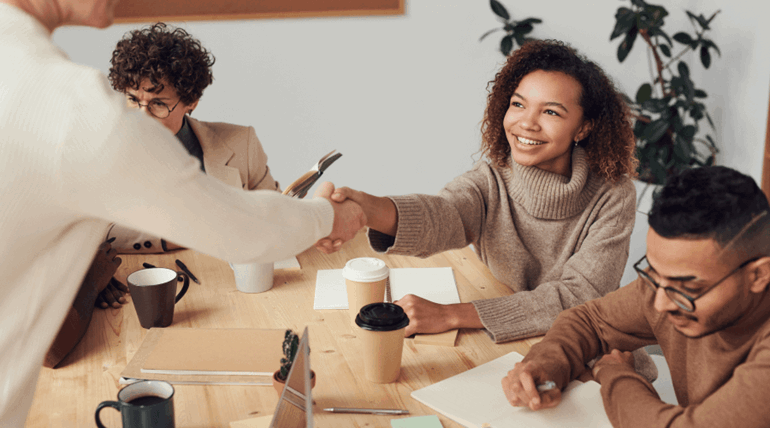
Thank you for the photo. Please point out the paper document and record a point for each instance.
(435, 284)
(475, 398)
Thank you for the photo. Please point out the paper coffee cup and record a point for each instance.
(365, 280)
(381, 330)
(253, 277)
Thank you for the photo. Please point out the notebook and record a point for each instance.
(475, 398)
(216, 351)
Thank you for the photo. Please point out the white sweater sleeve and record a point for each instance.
(133, 172)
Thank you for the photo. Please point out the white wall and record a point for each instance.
(402, 97)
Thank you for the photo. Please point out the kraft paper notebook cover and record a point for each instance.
(475, 398)
(196, 351)
(133, 371)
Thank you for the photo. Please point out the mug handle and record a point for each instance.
(184, 287)
(102, 405)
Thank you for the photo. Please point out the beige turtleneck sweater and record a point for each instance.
(555, 241)
(721, 380)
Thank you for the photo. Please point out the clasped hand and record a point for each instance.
(349, 218)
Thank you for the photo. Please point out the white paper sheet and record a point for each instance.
(475, 398)
(435, 284)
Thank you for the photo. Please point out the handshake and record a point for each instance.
(352, 211)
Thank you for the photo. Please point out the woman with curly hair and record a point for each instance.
(163, 71)
(550, 211)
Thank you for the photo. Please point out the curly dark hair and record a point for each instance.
(712, 202)
(162, 52)
(610, 145)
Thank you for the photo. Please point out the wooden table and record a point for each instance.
(68, 396)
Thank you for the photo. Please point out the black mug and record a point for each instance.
(153, 292)
(145, 404)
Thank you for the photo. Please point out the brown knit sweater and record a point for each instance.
(555, 241)
(721, 380)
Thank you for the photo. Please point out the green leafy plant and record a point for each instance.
(515, 31)
(289, 346)
(668, 109)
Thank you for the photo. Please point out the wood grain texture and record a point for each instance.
(68, 396)
(151, 11)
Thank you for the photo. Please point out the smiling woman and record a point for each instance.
(550, 210)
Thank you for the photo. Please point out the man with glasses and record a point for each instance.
(702, 295)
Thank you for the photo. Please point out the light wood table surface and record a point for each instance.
(68, 395)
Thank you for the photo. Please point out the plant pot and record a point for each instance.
(279, 384)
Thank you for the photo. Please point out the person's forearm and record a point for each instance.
(382, 215)
(464, 315)
(74, 327)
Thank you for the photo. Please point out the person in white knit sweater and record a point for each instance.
(74, 158)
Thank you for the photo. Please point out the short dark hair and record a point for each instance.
(162, 52)
(713, 202)
(610, 146)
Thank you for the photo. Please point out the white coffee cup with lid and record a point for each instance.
(365, 279)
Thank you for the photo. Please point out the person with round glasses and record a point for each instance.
(703, 295)
(163, 71)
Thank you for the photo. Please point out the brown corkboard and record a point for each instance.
(204, 10)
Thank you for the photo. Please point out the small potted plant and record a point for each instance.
(289, 346)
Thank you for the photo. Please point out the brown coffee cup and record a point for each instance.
(153, 292)
(382, 340)
(365, 280)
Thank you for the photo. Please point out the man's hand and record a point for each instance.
(112, 295)
(349, 218)
(99, 277)
(520, 387)
(614, 358)
(428, 317)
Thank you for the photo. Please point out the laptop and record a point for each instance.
(295, 407)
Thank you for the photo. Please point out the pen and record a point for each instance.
(367, 411)
(547, 386)
(148, 266)
(187, 271)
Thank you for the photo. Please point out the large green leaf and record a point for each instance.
(625, 46)
(665, 49)
(655, 130)
(625, 19)
(700, 93)
(506, 45)
(708, 43)
(684, 70)
(499, 9)
(705, 56)
(683, 38)
(530, 21)
(644, 93)
(523, 28)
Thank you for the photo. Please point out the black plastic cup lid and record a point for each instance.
(382, 317)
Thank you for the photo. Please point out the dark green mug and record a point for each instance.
(144, 404)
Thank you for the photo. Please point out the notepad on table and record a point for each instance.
(435, 284)
(216, 351)
(475, 398)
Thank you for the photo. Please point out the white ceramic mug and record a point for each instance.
(253, 277)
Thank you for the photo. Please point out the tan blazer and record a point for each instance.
(232, 154)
